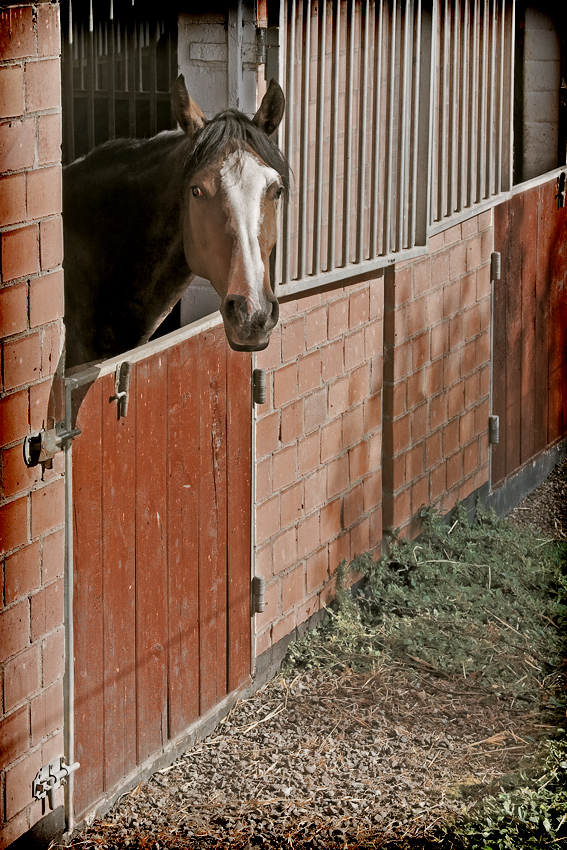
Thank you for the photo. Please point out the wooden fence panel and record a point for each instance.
(530, 328)
(162, 587)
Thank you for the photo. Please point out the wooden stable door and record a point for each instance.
(161, 528)
(530, 328)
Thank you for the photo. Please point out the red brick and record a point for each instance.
(293, 588)
(402, 361)
(419, 494)
(338, 399)
(455, 400)
(11, 91)
(415, 391)
(21, 573)
(474, 253)
(372, 491)
(470, 458)
(14, 414)
(339, 550)
(435, 306)
(16, 476)
(451, 437)
(417, 317)
(19, 780)
(267, 519)
(12, 199)
(394, 472)
(44, 192)
(359, 384)
(47, 610)
(420, 350)
(330, 520)
(285, 385)
(292, 422)
(272, 597)
(438, 482)
(468, 357)
(467, 427)
(439, 268)
(483, 349)
(315, 490)
(308, 536)
(457, 261)
(283, 627)
(46, 299)
(354, 350)
(307, 609)
(53, 556)
(51, 348)
(374, 340)
(332, 360)
(267, 435)
(293, 338)
(14, 736)
(48, 30)
(358, 462)
(402, 286)
(291, 504)
(468, 290)
(50, 243)
(13, 309)
(315, 411)
(284, 465)
(22, 361)
(13, 524)
(452, 235)
(481, 414)
(263, 642)
(421, 277)
(316, 327)
(372, 413)
(338, 317)
(375, 450)
(309, 372)
(360, 538)
(317, 570)
(285, 550)
(43, 85)
(401, 510)
(456, 331)
(401, 434)
(337, 476)
(39, 401)
(47, 508)
(53, 656)
(21, 677)
(17, 145)
(308, 453)
(49, 138)
(263, 479)
(19, 253)
(454, 470)
(433, 450)
(353, 506)
(415, 462)
(271, 357)
(17, 36)
(419, 422)
(359, 308)
(353, 426)
(471, 320)
(331, 439)
(451, 368)
(439, 340)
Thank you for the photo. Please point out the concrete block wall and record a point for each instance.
(378, 404)
(31, 332)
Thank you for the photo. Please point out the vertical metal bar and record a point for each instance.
(426, 128)
(68, 112)
(415, 127)
(331, 254)
(235, 56)
(453, 171)
(442, 176)
(510, 118)
(349, 93)
(376, 129)
(90, 74)
(389, 159)
(152, 83)
(304, 142)
(289, 135)
(473, 108)
(111, 95)
(463, 148)
(69, 680)
(320, 137)
(482, 102)
(362, 129)
(490, 151)
(403, 129)
(500, 119)
(130, 56)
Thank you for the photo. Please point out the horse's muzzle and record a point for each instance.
(247, 332)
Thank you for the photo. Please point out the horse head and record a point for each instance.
(234, 176)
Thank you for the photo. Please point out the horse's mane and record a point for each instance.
(232, 129)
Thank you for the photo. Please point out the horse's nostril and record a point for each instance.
(235, 308)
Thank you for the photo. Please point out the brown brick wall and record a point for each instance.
(379, 405)
(31, 503)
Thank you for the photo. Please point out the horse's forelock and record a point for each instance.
(228, 131)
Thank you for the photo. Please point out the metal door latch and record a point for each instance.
(561, 190)
(51, 777)
(122, 388)
(42, 447)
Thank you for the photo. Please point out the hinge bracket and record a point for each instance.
(51, 777)
(42, 447)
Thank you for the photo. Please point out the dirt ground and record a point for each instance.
(320, 760)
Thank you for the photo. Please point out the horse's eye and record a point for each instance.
(278, 193)
(196, 192)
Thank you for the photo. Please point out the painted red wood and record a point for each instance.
(162, 587)
(119, 576)
(213, 523)
(530, 328)
(88, 598)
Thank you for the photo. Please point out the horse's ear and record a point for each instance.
(271, 109)
(189, 116)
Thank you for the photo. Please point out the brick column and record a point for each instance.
(31, 331)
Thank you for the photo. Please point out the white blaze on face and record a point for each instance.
(245, 180)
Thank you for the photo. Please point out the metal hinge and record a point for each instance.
(42, 447)
(259, 386)
(122, 388)
(267, 50)
(51, 777)
(561, 190)
(493, 430)
(258, 594)
(495, 265)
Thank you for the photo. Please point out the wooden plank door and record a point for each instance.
(530, 328)
(161, 527)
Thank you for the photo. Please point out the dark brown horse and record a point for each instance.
(143, 217)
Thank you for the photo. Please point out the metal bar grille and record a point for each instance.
(119, 63)
(473, 107)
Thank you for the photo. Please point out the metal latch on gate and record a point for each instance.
(51, 777)
(561, 190)
(42, 447)
(122, 388)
